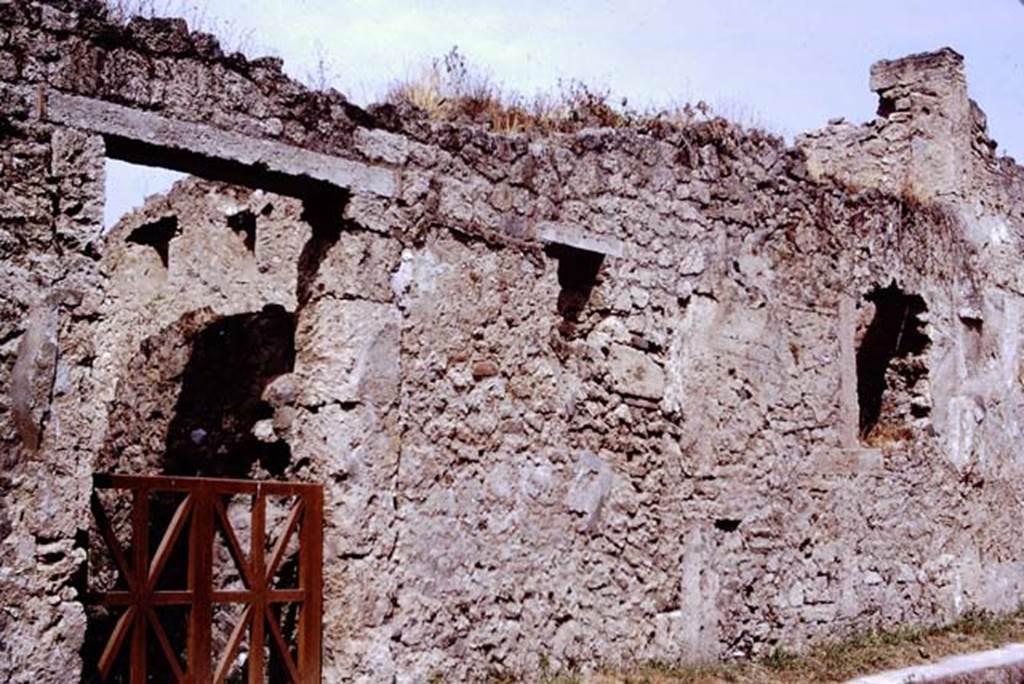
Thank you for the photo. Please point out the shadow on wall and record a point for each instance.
(233, 360)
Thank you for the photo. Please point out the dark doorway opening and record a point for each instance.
(891, 362)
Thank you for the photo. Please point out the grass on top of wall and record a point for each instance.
(449, 88)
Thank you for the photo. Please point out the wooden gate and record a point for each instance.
(201, 506)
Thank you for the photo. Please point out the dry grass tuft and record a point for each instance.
(885, 435)
(450, 89)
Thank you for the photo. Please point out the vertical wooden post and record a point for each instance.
(140, 563)
(257, 560)
(311, 581)
(200, 583)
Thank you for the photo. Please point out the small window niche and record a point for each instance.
(158, 235)
(578, 275)
(244, 225)
(892, 365)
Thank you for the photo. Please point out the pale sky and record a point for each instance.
(786, 65)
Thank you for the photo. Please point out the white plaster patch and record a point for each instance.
(589, 489)
(420, 268)
(966, 414)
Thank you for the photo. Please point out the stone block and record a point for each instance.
(635, 373)
(590, 488)
(945, 65)
(34, 372)
(348, 351)
(575, 236)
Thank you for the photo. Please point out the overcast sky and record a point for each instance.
(787, 65)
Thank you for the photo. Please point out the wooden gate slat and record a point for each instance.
(140, 565)
(113, 647)
(106, 530)
(163, 552)
(201, 584)
(165, 645)
(311, 581)
(234, 643)
(282, 543)
(282, 646)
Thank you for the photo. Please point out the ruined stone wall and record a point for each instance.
(929, 142)
(667, 477)
(51, 189)
(158, 65)
(52, 427)
(729, 335)
(659, 393)
(666, 437)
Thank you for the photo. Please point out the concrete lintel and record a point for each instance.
(986, 667)
(572, 235)
(171, 135)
